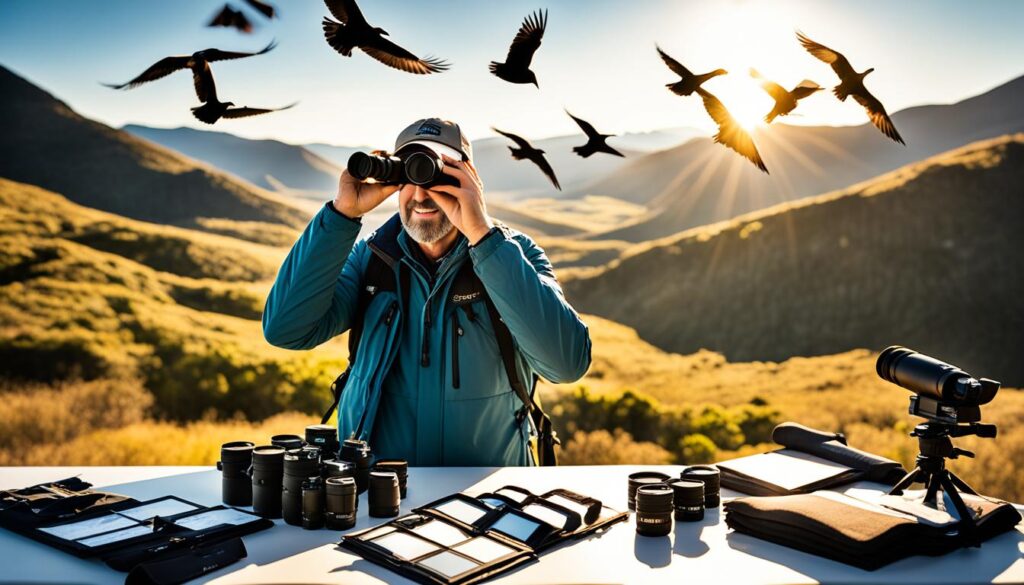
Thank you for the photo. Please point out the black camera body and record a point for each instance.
(416, 164)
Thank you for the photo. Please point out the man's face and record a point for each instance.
(423, 219)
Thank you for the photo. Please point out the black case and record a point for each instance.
(496, 515)
(163, 552)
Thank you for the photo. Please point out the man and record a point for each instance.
(428, 382)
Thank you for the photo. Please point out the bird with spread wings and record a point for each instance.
(354, 32)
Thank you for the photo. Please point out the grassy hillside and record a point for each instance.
(270, 164)
(927, 256)
(84, 294)
(46, 143)
(700, 182)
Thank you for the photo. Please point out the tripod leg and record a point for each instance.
(932, 484)
(968, 526)
(905, 482)
(961, 484)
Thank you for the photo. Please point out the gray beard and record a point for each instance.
(425, 232)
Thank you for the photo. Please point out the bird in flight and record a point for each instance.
(198, 62)
(516, 68)
(262, 7)
(353, 31)
(785, 101)
(595, 141)
(688, 82)
(213, 109)
(851, 83)
(528, 152)
(730, 133)
(231, 18)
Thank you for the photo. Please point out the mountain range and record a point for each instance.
(46, 143)
(927, 256)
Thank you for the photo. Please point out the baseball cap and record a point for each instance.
(442, 136)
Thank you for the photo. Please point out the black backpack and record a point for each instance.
(380, 276)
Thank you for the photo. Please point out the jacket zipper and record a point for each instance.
(425, 349)
(456, 334)
(390, 315)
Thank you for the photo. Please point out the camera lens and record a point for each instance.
(381, 169)
(643, 478)
(299, 464)
(688, 499)
(422, 168)
(334, 468)
(400, 467)
(287, 442)
(342, 503)
(325, 437)
(313, 503)
(235, 459)
(384, 494)
(357, 453)
(710, 477)
(267, 475)
(654, 510)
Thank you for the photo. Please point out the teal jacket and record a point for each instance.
(401, 382)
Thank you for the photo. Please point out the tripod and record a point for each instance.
(936, 446)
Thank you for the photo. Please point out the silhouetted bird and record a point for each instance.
(526, 151)
(516, 68)
(852, 83)
(730, 133)
(785, 101)
(198, 62)
(595, 141)
(262, 7)
(688, 82)
(214, 109)
(353, 31)
(231, 18)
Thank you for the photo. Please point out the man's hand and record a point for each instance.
(356, 198)
(464, 205)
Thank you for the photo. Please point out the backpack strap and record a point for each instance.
(378, 277)
(467, 288)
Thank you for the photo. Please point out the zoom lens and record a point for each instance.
(710, 477)
(287, 442)
(235, 459)
(643, 478)
(400, 467)
(927, 376)
(357, 453)
(687, 499)
(299, 464)
(384, 494)
(342, 503)
(313, 503)
(325, 437)
(382, 169)
(267, 475)
(654, 510)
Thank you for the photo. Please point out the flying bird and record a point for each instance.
(851, 83)
(262, 7)
(353, 31)
(730, 133)
(526, 151)
(198, 62)
(595, 141)
(213, 109)
(516, 68)
(785, 101)
(231, 18)
(688, 82)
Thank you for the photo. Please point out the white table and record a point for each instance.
(704, 552)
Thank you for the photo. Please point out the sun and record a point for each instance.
(743, 97)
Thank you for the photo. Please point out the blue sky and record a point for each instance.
(597, 60)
